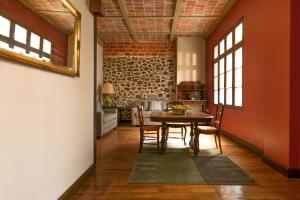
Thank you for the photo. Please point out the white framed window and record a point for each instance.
(228, 68)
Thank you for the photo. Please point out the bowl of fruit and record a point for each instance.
(180, 109)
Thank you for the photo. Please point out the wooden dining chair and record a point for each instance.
(180, 125)
(215, 126)
(147, 132)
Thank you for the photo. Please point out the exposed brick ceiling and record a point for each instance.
(158, 20)
(54, 12)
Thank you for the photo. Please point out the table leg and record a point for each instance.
(163, 138)
(196, 140)
(191, 143)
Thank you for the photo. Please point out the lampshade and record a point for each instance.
(108, 88)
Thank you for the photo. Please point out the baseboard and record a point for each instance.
(288, 172)
(243, 143)
(76, 185)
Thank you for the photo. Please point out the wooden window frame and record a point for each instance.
(232, 51)
(12, 42)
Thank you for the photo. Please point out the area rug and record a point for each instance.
(177, 166)
(174, 167)
(220, 170)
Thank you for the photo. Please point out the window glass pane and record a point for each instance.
(222, 96)
(4, 45)
(187, 59)
(229, 96)
(19, 50)
(221, 81)
(179, 58)
(35, 41)
(229, 79)
(229, 41)
(216, 71)
(239, 58)
(216, 99)
(5, 26)
(216, 52)
(216, 85)
(239, 33)
(222, 47)
(238, 77)
(222, 66)
(229, 62)
(194, 59)
(238, 98)
(47, 46)
(20, 34)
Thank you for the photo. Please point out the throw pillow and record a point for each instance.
(155, 106)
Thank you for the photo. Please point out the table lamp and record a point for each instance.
(107, 92)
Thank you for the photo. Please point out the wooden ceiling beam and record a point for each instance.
(95, 7)
(175, 17)
(125, 15)
(227, 8)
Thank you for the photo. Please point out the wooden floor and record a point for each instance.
(116, 154)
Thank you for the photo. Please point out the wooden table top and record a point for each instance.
(187, 117)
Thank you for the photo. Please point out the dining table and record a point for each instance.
(194, 118)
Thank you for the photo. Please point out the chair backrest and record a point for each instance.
(140, 115)
(170, 104)
(219, 116)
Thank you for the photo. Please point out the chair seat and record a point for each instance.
(207, 129)
(150, 128)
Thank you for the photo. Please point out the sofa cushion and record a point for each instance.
(155, 106)
(108, 117)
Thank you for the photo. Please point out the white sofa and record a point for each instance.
(108, 120)
(146, 113)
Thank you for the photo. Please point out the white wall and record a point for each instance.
(190, 59)
(46, 125)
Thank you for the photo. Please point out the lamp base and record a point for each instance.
(107, 99)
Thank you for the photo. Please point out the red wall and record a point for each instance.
(264, 120)
(25, 17)
(295, 83)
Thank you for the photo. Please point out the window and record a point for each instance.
(228, 68)
(16, 38)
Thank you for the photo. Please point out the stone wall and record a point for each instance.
(136, 77)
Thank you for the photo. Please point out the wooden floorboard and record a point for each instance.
(116, 154)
